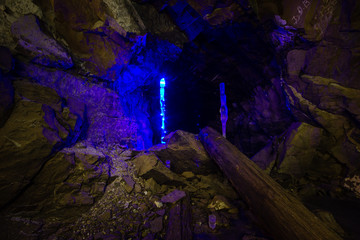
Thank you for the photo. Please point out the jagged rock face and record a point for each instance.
(321, 90)
(89, 70)
(68, 184)
(46, 51)
(101, 108)
(37, 126)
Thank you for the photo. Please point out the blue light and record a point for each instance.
(162, 108)
(162, 83)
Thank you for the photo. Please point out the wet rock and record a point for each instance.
(43, 49)
(173, 196)
(185, 153)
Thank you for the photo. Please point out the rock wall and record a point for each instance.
(79, 84)
(320, 87)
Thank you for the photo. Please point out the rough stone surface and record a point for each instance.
(91, 37)
(185, 153)
(219, 202)
(125, 15)
(25, 7)
(43, 49)
(31, 134)
(291, 71)
(305, 151)
(101, 107)
(173, 197)
(6, 38)
(149, 166)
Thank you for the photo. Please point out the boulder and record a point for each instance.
(148, 166)
(185, 153)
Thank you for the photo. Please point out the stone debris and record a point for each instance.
(188, 174)
(75, 103)
(219, 202)
(173, 196)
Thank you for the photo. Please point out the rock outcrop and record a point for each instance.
(38, 127)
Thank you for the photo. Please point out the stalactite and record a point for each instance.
(223, 109)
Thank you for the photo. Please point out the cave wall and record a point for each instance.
(88, 71)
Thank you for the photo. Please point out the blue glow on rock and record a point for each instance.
(162, 108)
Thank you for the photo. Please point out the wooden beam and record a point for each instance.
(179, 226)
(278, 213)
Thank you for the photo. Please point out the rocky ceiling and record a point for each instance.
(88, 71)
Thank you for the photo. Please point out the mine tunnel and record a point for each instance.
(110, 121)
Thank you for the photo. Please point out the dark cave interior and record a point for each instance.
(84, 114)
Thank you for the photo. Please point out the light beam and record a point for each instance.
(162, 108)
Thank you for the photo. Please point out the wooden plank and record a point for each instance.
(277, 212)
(179, 226)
